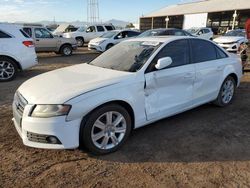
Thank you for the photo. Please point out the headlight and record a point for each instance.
(47, 111)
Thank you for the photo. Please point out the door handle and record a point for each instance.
(37, 40)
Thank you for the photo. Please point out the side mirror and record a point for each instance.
(119, 37)
(163, 63)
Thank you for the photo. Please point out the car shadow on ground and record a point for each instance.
(207, 133)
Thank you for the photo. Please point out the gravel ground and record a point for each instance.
(205, 147)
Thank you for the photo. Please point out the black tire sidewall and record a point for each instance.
(87, 124)
(15, 68)
(109, 46)
(82, 41)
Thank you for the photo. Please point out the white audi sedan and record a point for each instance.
(135, 83)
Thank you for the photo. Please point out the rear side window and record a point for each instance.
(4, 35)
(24, 34)
(109, 28)
(179, 52)
(28, 31)
(203, 51)
(100, 29)
(220, 53)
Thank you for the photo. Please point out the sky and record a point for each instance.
(73, 10)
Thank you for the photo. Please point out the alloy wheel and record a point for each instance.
(108, 130)
(7, 70)
(227, 91)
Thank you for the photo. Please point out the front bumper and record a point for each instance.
(95, 47)
(66, 132)
(230, 47)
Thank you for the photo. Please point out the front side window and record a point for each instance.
(129, 56)
(203, 51)
(91, 29)
(133, 34)
(178, 51)
(42, 33)
(4, 35)
(100, 29)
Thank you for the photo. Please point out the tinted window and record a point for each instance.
(24, 34)
(42, 33)
(220, 53)
(133, 34)
(109, 28)
(177, 50)
(100, 28)
(28, 31)
(4, 35)
(91, 29)
(203, 51)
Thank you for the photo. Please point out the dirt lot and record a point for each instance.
(204, 147)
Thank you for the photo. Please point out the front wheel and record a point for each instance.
(227, 91)
(106, 129)
(66, 50)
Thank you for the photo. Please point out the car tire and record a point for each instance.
(8, 69)
(102, 132)
(226, 93)
(109, 46)
(66, 50)
(80, 41)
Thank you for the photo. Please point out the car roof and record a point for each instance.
(161, 39)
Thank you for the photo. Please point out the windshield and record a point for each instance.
(109, 34)
(127, 56)
(193, 30)
(81, 29)
(236, 33)
(150, 33)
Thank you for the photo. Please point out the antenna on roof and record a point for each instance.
(92, 11)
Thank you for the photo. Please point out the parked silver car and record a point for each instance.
(45, 41)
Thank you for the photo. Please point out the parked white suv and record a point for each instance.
(83, 35)
(204, 33)
(135, 83)
(17, 51)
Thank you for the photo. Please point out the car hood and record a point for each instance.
(97, 40)
(228, 39)
(59, 86)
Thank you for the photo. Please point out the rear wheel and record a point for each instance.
(80, 41)
(106, 129)
(66, 50)
(227, 91)
(8, 69)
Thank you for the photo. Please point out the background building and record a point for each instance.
(220, 15)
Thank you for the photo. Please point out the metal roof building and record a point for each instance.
(218, 14)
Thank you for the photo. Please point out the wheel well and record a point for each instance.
(123, 104)
(65, 44)
(234, 76)
(80, 38)
(17, 63)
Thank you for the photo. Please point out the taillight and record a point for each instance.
(28, 44)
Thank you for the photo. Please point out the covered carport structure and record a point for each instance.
(220, 15)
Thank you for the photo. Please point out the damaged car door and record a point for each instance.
(169, 89)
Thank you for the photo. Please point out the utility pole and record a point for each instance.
(92, 11)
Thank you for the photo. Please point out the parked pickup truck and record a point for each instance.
(45, 41)
(83, 35)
